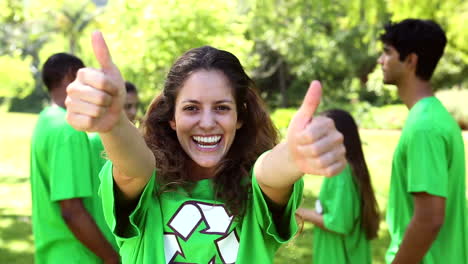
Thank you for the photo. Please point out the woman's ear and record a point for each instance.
(172, 123)
(239, 124)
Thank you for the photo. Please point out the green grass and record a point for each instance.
(16, 243)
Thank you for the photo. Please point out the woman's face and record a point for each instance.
(205, 117)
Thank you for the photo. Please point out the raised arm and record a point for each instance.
(95, 103)
(312, 146)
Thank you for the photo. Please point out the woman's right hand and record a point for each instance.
(96, 98)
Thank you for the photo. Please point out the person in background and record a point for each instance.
(426, 213)
(346, 214)
(68, 221)
(132, 101)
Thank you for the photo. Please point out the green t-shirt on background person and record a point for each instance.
(61, 170)
(341, 209)
(97, 154)
(182, 227)
(430, 158)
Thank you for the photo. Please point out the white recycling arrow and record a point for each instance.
(187, 218)
(228, 248)
(171, 247)
(217, 219)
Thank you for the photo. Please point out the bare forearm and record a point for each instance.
(277, 168)
(418, 239)
(276, 173)
(128, 151)
(84, 228)
(311, 216)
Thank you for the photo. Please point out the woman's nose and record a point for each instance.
(207, 120)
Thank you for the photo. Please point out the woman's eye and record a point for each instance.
(223, 108)
(190, 108)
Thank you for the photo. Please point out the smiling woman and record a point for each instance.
(201, 102)
(196, 186)
(205, 121)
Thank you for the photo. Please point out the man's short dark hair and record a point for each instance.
(425, 38)
(130, 87)
(58, 67)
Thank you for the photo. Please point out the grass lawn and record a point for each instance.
(16, 244)
(16, 241)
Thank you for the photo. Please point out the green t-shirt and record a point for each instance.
(430, 158)
(97, 154)
(181, 227)
(61, 170)
(341, 209)
(98, 159)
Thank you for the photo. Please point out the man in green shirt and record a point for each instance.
(426, 216)
(68, 221)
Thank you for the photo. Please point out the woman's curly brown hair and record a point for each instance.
(232, 178)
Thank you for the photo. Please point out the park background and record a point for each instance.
(283, 44)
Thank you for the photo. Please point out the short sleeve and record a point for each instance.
(427, 166)
(265, 217)
(137, 217)
(70, 166)
(340, 200)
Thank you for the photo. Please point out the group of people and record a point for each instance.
(205, 179)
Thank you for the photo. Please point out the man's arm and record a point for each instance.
(428, 218)
(86, 231)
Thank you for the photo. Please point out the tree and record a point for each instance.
(72, 22)
(23, 38)
(27, 28)
(329, 40)
(146, 37)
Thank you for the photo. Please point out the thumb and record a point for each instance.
(101, 51)
(309, 105)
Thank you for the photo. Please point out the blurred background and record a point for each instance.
(283, 44)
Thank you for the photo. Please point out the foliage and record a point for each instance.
(12, 77)
(455, 101)
(72, 21)
(27, 29)
(281, 117)
(366, 115)
(385, 117)
(333, 41)
(284, 44)
(453, 17)
(146, 37)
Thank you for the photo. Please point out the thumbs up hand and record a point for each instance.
(96, 98)
(315, 145)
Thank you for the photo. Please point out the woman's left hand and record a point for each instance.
(314, 143)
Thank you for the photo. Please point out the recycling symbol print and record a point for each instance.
(186, 220)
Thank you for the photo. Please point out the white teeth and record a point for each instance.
(211, 139)
(207, 146)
